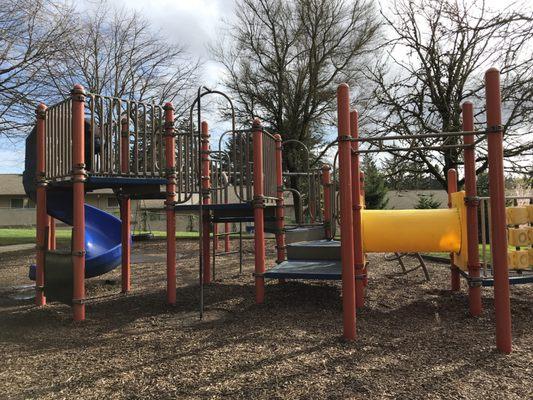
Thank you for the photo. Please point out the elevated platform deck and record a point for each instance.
(309, 269)
(137, 187)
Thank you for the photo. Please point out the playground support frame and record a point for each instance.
(455, 277)
(206, 200)
(40, 206)
(170, 202)
(258, 205)
(125, 210)
(326, 182)
(347, 241)
(78, 197)
(471, 200)
(280, 210)
(497, 211)
(359, 257)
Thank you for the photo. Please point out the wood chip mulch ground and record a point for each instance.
(416, 340)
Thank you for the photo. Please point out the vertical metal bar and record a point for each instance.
(206, 200)
(474, 287)
(40, 206)
(280, 207)
(240, 248)
(326, 182)
(347, 233)
(78, 210)
(455, 278)
(136, 137)
(125, 209)
(258, 205)
(170, 202)
(483, 236)
(498, 239)
(359, 257)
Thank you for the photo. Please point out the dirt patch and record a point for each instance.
(416, 339)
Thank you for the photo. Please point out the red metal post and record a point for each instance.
(347, 232)
(259, 204)
(78, 207)
(170, 159)
(452, 188)
(474, 286)
(52, 242)
(40, 206)
(497, 211)
(359, 256)
(326, 182)
(206, 199)
(280, 210)
(125, 208)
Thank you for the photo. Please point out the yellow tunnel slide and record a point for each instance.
(410, 231)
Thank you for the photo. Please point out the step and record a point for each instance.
(306, 269)
(314, 250)
(302, 234)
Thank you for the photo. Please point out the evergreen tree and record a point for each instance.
(427, 201)
(375, 187)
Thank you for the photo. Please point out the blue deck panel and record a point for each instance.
(308, 269)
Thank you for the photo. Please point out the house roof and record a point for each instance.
(11, 184)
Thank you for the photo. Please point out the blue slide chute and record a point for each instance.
(102, 234)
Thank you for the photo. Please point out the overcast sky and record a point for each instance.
(193, 23)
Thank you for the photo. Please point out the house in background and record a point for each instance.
(18, 210)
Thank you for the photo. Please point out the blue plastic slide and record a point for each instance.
(102, 234)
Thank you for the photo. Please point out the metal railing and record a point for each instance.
(58, 128)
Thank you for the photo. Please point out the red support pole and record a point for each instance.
(40, 206)
(125, 209)
(498, 239)
(78, 207)
(452, 188)
(206, 200)
(363, 205)
(474, 285)
(170, 159)
(259, 204)
(359, 256)
(280, 210)
(347, 232)
(326, 182)
(52, 242)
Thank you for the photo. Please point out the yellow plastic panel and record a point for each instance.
(411, 230)
(516, 215)
(518, 237)
(460, 258)
(529, 208)
(518, 259)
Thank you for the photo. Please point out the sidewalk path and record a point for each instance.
(16, 247)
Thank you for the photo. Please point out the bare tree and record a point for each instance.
(117, 53)
(31, 32)
(437, 56)
(285, 58)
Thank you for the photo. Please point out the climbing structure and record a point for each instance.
(89, 142)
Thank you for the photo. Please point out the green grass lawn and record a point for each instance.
(27, 235)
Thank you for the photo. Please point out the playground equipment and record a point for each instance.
(90, 141)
